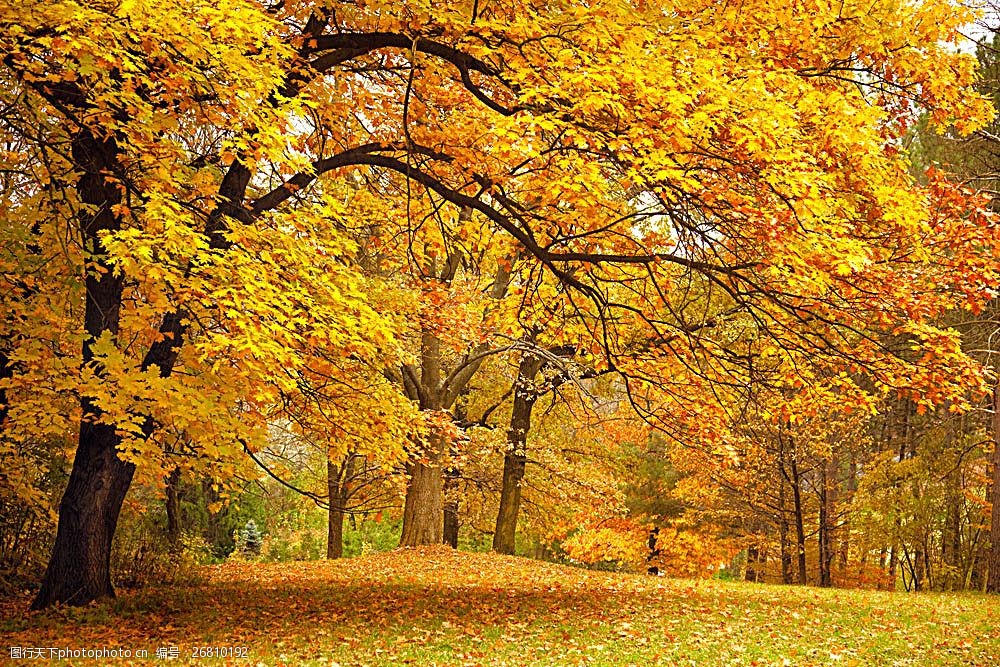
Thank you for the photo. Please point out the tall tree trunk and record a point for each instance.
(951, 542)
(893, 565)
(800, 529)
(79, 570)
(753, 557)
(993, 582)
(823, 534)
(515, 458)
(6, 373)
(844, 529)
(450, 529)
(827, 521)
(338, 479)
(978, 575)
(783, 530)
(173, 505)
(925, 570)
(423, 512)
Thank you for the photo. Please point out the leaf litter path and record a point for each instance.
(435, 606)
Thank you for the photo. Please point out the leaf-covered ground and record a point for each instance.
(439, 607)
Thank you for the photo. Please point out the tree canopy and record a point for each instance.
(331, 214)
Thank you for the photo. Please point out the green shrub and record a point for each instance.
(370, 535)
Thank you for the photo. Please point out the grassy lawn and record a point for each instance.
(439, 607)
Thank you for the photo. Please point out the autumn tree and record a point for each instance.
(626, 151)
(972, 160)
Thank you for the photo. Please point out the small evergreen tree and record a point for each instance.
(250, 539)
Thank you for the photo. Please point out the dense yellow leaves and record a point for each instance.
(703, 197)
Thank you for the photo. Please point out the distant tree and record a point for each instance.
(251, 540)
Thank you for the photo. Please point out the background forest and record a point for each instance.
(696, 290)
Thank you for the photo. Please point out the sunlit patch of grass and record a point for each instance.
(439, 607)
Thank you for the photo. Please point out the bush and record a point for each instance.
(142, 554)
(371, 535)
(296, 536)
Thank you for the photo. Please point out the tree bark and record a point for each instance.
(338, 479)
(515, 458)
(823, 534)
(214, 533)
(6, 373)
(79, 569)
(993, 580)
(826, 527)
(423, 512)
(450, 530)
(173, 504)
(844, 529)
(753, 557)
(800, 530)
(783, 530)
(951, 541)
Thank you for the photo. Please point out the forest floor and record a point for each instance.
(440, 607)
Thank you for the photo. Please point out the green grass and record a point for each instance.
(439, 607)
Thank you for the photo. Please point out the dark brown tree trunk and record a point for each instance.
(515, 458)
(79, 570)
(783, 530)
(825, 534)
(925, 576)
(800, 529)
(335, 533)
(173, 504)
(753, 556)
(844, 529)
(951, 542)
(978, 572)
(450, 530)
(338, 479)
(6, 372)
(510, 502)
(993, 580)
